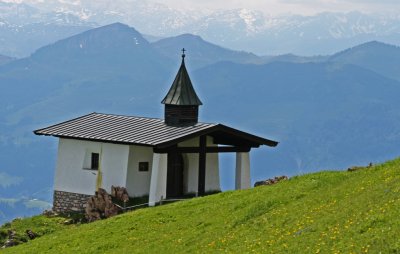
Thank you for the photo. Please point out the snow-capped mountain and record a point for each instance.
(25, 28)
(240, 29)
(22, 40)
(23, 14)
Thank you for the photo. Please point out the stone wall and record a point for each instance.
(69, 202)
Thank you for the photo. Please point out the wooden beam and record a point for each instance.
(233, 142)
(202, 166)
(211, 149)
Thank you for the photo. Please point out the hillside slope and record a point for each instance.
(325, 212)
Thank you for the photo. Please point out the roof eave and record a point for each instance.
(250, 137)
(254, 138)
(98, 140)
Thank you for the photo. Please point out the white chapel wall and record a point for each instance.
(191, 168)
(212, 169)
(114, 165)
(70, 175)
(72, 169)
(138, 182)
(212, 172)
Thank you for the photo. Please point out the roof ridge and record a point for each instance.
(142, 117)
(145, 117)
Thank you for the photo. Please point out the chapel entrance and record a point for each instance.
(175, 175)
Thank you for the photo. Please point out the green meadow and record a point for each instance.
(324, 212)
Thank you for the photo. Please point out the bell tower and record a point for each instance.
(181, 102)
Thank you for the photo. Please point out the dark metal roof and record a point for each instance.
(121, 129)
(182, 91)
(144, 131)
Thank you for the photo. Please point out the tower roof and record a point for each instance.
(182, 91)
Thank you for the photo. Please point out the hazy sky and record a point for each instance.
(306, 7)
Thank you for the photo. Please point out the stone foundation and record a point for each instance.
(64, 202)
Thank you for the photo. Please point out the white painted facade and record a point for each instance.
(73, 173)
(138, 182)
(119, 166)
(191, 168)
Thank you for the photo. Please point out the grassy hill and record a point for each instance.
(325, 212)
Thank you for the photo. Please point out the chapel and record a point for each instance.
(154, 158)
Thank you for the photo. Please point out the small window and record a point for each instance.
(95, 161)
(143, 166)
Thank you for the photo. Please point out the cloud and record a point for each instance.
(371, 1)
(289, 6)
(35, 203)
(9, 201)
(7, 180)
(345, 5)
(28, 203)
(366, 3)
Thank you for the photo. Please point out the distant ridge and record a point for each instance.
(291, 58)
(116, 38)
(377, 56)
(367, 45)
(201, 52)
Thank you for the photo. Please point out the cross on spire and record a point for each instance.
(183, 53)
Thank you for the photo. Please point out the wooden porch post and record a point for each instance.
(202, 166)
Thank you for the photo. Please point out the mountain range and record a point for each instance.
(44, 22)
(327, 112)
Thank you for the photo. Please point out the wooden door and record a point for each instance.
(175, 175)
